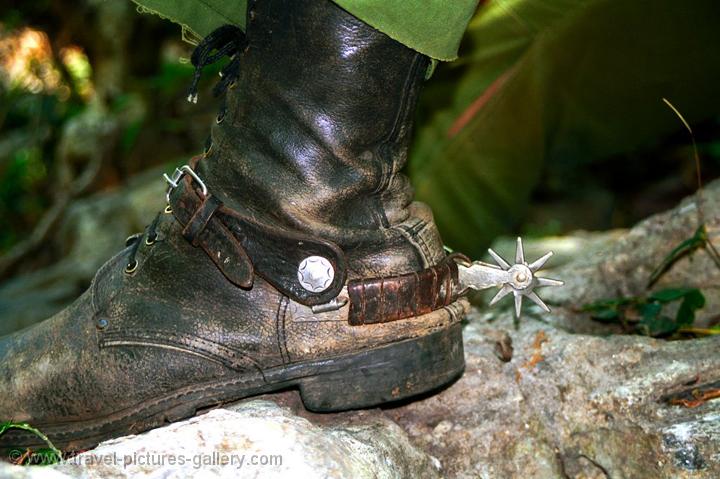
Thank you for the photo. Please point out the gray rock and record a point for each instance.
(250, 440)
(565, 405)
(620, 265)
(571, 405)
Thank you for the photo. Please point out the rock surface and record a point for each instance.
(252, 439)
(555, 397)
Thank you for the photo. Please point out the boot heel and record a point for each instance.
(390, 373)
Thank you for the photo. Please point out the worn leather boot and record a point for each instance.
(290, 254)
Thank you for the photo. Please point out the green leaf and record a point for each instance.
(652, 322)
(44, 457)
(671, 294)
(609, 310)
(606, 314)
(650, 311)
(554, 85)
(7, 425)
(609, 303)
(693, 301)
(657, 326)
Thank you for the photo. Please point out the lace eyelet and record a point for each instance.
(232, 85)
(167, 210)
(221, 116)
(150, 240)
(131, 267)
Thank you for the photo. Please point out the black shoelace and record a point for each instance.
(227, 40)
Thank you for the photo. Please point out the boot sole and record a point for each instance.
(390, 373)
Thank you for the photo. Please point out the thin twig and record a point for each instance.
(700, 331)
(710, 247)
(696, 157)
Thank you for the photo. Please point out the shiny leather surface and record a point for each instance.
(317, 131)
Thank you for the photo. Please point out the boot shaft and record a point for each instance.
(317, 127)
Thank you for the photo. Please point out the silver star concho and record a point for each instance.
(315, 274)
(519, 279)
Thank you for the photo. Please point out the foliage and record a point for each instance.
(546, 89)
(649, 315)
(39, 93)
(652, 322)
(700, 238)
(695, 242)
(52, 96)
(25, 154)
(45, 456)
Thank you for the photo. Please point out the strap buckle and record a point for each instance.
(177, 175)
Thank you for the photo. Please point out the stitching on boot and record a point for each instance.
(160, 338)
(403, 108)
(456, 311)
(99, 276)
(280, 315)
(385, 152)
(139, 410)
(411, 234)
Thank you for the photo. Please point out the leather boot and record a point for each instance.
(290, 254)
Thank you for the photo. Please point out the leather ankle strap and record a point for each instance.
(241, 247)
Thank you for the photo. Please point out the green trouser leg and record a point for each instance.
(432, 27)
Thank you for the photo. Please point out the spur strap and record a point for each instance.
(241, 247)
(381, 300)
